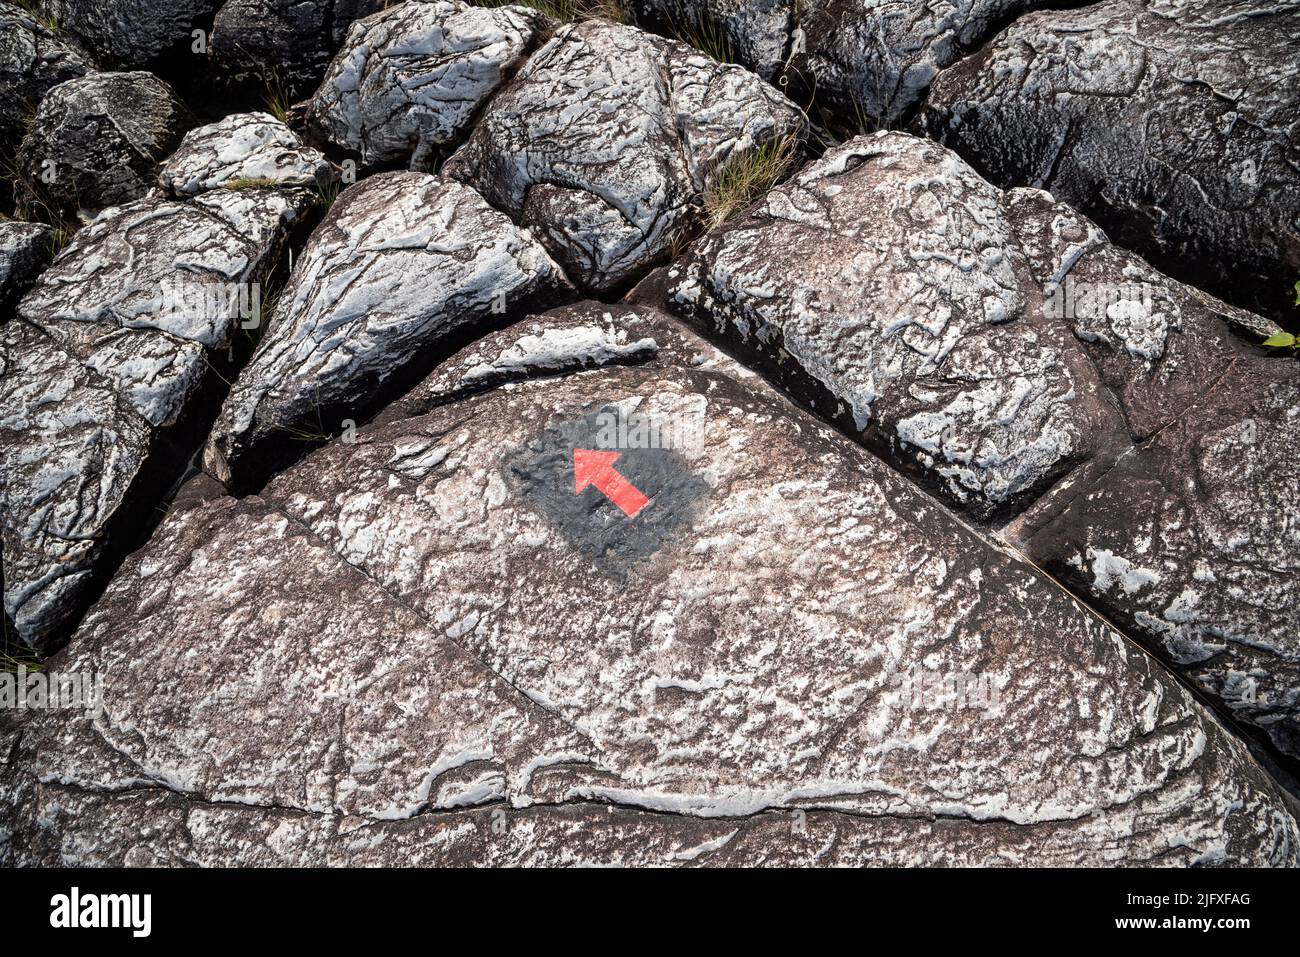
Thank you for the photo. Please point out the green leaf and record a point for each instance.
(1282, 340)
(1297, 292)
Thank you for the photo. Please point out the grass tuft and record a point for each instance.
(742, 179)
(256, 182)
(48, 20)
(277, 101)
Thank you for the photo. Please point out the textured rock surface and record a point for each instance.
(32, 59)
(606, 140)
(97, 140)
(403, 265)
(1191, 541)
(408, 81)
(288, 42)
(25, 249)
(756, 33)
(407, 651)
(109, 369)
(1171, 122)
(133, 33)
(243, 149)
(897, 292)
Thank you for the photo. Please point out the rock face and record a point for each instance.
(756, 33)
(1167, 121)
(133, 33)
(25, 249)
(32, 59)
(115, 361)
(403, 266)
(608, 138)
(97, 141)
(409, 80)
(252, 149)
(454, 658)
(286, 42)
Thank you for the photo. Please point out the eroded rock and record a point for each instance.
(133, 33)
(97, 141)
(403, 267)
(756, 33)
(25, 249)
(33, 58)
(437, 633)
(608, 138)
(409, 80)
(248, 149)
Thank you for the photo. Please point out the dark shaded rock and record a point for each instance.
(402, 269)
(607, 140)
(282, 43)
(1170, 122)
(133, 33)
(244, 149)
(1193, 543)
(409, 81)
(440, 674)
(756, 33)
(25, 249)
(97, 141)
(33, 58)
(112, 372)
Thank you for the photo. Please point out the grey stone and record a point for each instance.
(25, 249)
(756, 33)
(244, 149)
(33, 58)
(607, 140)
(133, 33)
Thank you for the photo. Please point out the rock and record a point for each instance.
(284, 43)
(33, 58)
(25, 249)
(934, 316)
(756, 33)
(114, 368)
(404, 267)
(607, 140)
(133, 33)
(1167, 121)
(97, 141)
(454, 658)
(1192, 543)
(245, 149)
(409, 80)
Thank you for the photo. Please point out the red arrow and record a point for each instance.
(597, 468)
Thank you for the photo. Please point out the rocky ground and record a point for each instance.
(674, 432)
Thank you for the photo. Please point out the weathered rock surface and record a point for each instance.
(424, 647)
(97, 141)
(32, 59)
(25, 249)
(403, 267)
(1191, 541)
(408, 81)
(133, 33)
(606, 140)
(897, 292)
(756, 33)
(1170, 122)
(282, 42)
(243, 149)
(113, 370)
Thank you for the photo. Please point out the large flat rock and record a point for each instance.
(429, 646)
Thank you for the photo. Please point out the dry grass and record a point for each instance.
(742, 179)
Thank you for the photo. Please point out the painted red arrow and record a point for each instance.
(597, 468)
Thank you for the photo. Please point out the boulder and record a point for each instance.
(1166, 121)
(248, 149)
(607, 141)
(403, 268)
(25, 249)
(130, 34)
(97, 141)
(427, 647)
(114, 367)
(410, 80)
(33, 58)
(755, 33)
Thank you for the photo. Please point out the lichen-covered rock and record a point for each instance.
(112, 371)
(1170, 122)
(404, 266)
(894, 290)
(409, 80)
(97, 141)
(133, 33)
(756, 33)
(243, 149)
(33, 58)
(25, 249)
(282, 42)
(606, 141)
(1193, 542)
(455, 658)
